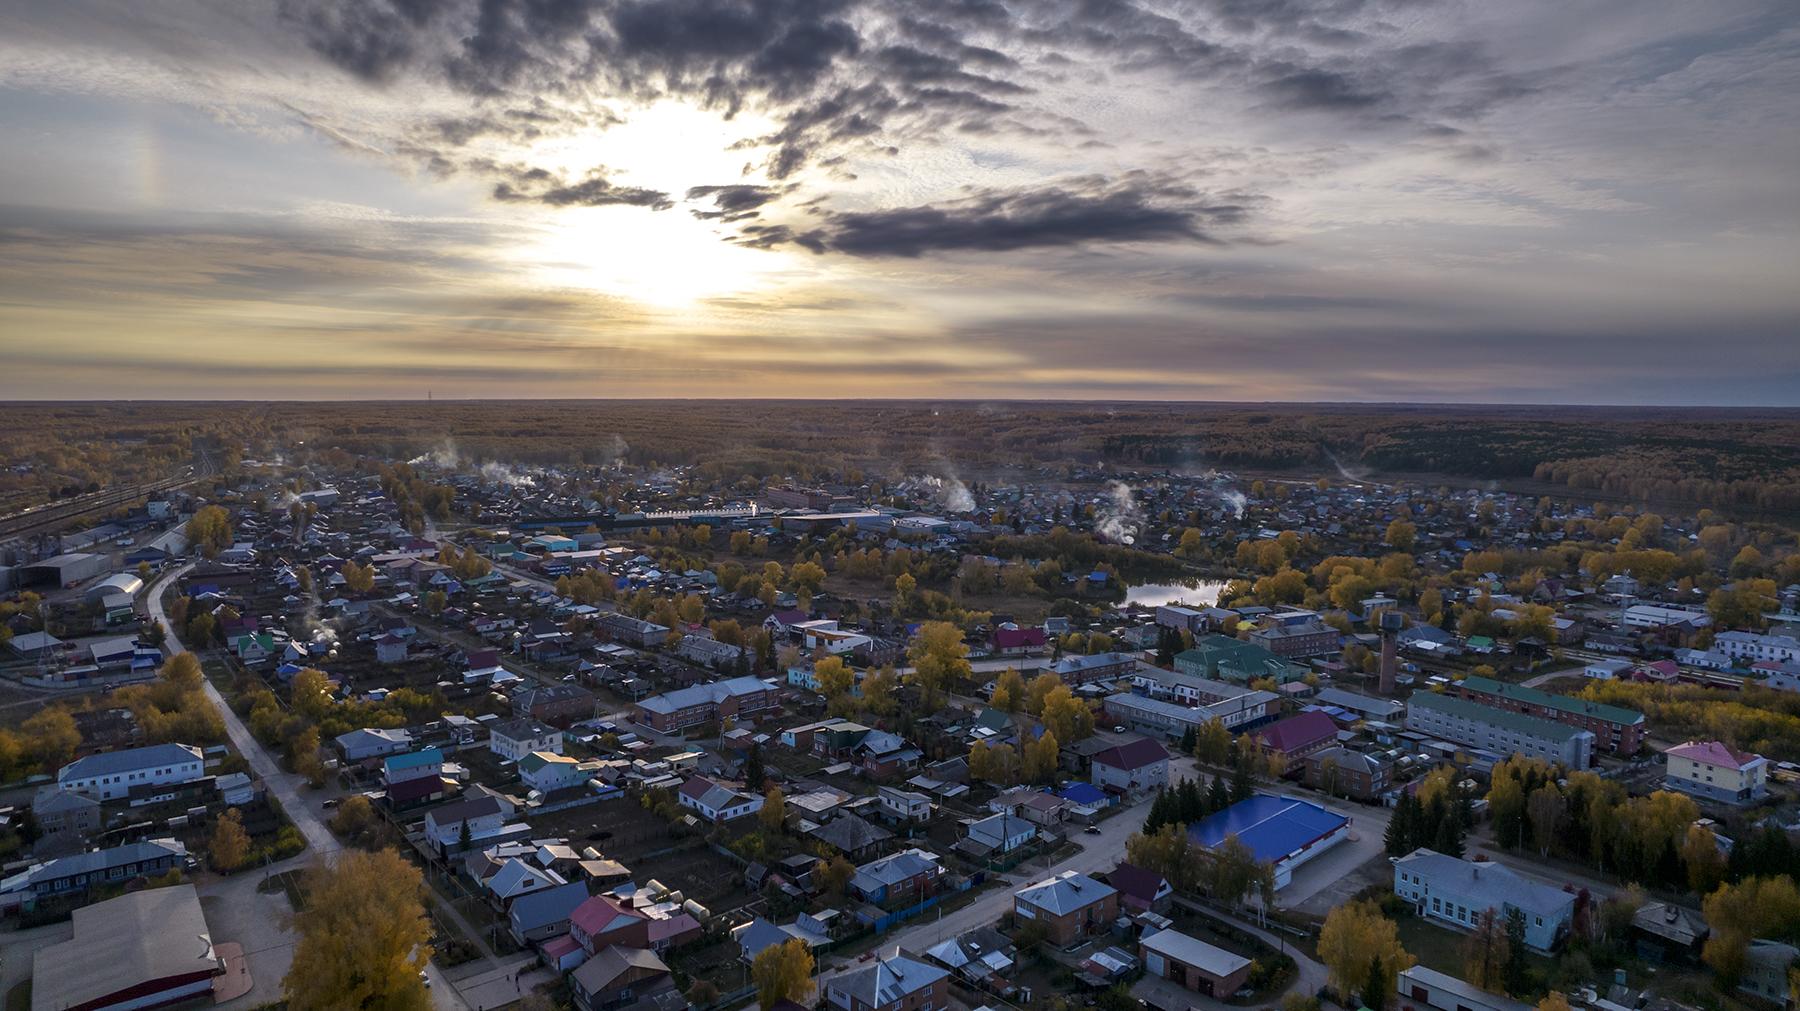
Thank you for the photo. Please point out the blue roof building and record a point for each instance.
(1280, 831)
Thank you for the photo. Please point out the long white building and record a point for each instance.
(1754, 648)
(112, 774)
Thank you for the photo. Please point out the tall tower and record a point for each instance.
(1390, 633)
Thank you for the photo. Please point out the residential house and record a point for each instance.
(72, 878)
(65, 821)
(895, 983)
(1193, 963)
(1711, 770)
(547, 772)
(1069, 905)
(997, 835)
(1669, 933)
(1298, 736)
(1081, 670)
(904, 807)
(1767, 971)
(714, 802)
(559, 705)
(1299, 640)
(412, 765)
(631, 631)
(683, 708)
(620, 977)
(1456, 892)
(484, 815)
(1141, 891)
(603, 921)
(112, 775)
(362, 745)
(1140, 765)
(514, 739)
(982, 958)
(1344, 772)
(901, 879)
(855, 837)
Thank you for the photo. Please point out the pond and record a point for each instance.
(1201, 593)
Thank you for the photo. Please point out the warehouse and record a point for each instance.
(1280, 831)
(65, 570)
(144, 949)
(118, 583)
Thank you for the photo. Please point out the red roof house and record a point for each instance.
(1298, 736)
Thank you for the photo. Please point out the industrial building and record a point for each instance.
(64, 570)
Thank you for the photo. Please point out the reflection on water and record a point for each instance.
(1200, 594)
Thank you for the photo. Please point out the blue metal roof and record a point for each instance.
(415, 759)
(1082, 793)
(1273, 827)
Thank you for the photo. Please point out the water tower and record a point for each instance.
(1390, 625)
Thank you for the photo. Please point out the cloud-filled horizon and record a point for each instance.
(1216, 200)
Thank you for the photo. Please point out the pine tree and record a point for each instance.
(1374, 995)
(1241, 786)
(1188, 740)
(1159, 812)
(754, 774)
(1216, 797)
(1449, 837)
(1400, 830)
(1515, 974)
(1193, 806)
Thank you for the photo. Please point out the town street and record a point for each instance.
(269, 954)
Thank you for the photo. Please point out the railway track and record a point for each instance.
(45, 518)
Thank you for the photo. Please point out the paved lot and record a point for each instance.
(18, 946)
(238, 913)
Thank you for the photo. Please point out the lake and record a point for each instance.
(1198, 594)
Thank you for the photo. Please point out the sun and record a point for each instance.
(666, 258)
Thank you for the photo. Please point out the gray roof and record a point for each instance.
(893, 869)
(888, 980)
(1208, 958)
(1488, 884)
(717, 691)
(124, 942)
(114, 763)
(100, 860)
(1065, 893)
(850, 833)
(522, 729)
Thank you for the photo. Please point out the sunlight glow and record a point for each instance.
(665, 258)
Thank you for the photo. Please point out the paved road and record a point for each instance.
(1100, 853)
(305, 815)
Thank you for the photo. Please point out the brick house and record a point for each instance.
(1069, 905)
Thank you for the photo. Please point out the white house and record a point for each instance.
(1715, 771)
(1139, 765)
(1606, 670)
(484, 815)
(545, 771)
(515, 739)
(1455, 891)
(904, 805)
(1001, 833)
(714, 802)
(112, 774)
(1752, 647)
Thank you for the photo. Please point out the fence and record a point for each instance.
(883, 923)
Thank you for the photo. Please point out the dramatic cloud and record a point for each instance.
(1353, 199)
(1084, 211)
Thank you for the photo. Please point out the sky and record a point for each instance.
(1532, 201)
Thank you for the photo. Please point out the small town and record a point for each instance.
(607, 737)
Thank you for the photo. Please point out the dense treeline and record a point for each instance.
(1747, 459)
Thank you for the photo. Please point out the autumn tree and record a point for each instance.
(51, 737)
(363, 937)
(1485, 953)
(229, 847)
(1009, 691)
(1039, 691)
(1038, 763)
(358, 578)
(209, 529)
(1353, 934)
(834, 678)
(1701, 858)
(1400, 535)
(940, 659)
(834, 875)
(774, 811)
(1751, 908)
(1212, 743)
(783, 972)
(1233, 872)
(1555, 1000)
(355, 820)
(878, 692)
(1066, 716)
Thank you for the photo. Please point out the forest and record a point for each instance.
(1746, 460)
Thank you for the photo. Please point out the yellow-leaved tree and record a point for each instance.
(363, 937)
